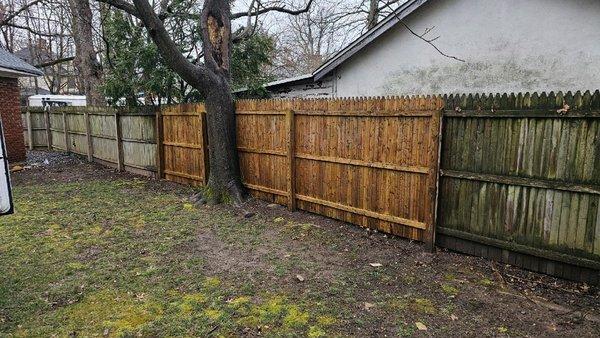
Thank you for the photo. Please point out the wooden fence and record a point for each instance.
(124, 140)
(519, 181)
(371, 162)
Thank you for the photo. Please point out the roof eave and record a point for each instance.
(362, 41)
(16, 73)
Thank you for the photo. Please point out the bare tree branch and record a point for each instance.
(123, 5)
(196, 75)
(19, 11)
(426, 40)
(34, 32)
(280, 9)
(55, 62)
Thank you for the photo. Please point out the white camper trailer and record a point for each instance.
(57, 100)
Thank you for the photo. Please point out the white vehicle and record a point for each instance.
(6, 202)
(57, 100)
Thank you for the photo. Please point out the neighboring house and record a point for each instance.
(58, 79)
(11, 69)
(508, 46)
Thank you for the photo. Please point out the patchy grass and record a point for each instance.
(94, 253)
(101, 257)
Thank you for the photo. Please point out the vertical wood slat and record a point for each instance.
(160, 164)
(435, 141)
(29, 130)
(48, 131)
(291, 175)
(119, 140)
(88, 135)
(66, 131)
(204, 139)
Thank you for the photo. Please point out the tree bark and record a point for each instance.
(224, 180)
(89, 70)
(373, 17)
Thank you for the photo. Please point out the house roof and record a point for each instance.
(12, 65)
(361, 42)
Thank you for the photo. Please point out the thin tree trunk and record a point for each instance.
(88, 68)
(373, 17)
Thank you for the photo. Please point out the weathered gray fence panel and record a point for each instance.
(99, 139)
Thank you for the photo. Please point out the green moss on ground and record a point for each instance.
(105, 258)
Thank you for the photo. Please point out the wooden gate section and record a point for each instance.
(371, 162)
(183, 155)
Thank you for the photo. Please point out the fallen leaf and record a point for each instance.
(375, 265)
(188, 206)
(453, 317)
(421, 326)
(368, 306)
(278, 220)
(300, 278)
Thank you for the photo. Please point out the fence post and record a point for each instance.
(205, 155)
(48, 131)
(291, 145)
(433, 179)
(88, 134)
(160, 167)
(119, 139)
(66, 130)
(29, 130)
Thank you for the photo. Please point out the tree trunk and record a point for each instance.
(224, 181)
(373, 16)
(212, 80)
(89, 70)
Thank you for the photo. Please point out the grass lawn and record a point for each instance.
(91, 252)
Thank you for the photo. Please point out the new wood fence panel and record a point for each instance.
(262, 141)
(183, 146)
(368, 162)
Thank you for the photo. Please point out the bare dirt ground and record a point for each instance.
(106, 239)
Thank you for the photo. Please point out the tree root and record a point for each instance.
(233, 193)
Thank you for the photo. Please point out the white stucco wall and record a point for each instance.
(509, 46)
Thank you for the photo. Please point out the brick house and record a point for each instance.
(11, 69)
